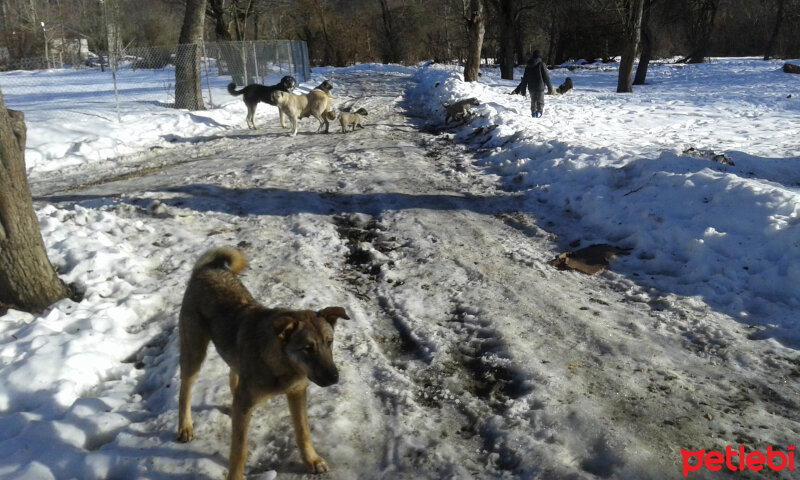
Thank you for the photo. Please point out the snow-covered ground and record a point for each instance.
(467, 355)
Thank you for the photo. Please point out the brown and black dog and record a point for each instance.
(256, 92)
(269, 351)
(564, 87)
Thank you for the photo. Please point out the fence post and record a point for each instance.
(208, 79)
(116, 92)
(244, 64)
(255, 63)
(289, 59)
(278, 60)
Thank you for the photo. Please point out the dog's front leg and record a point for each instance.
(241, 411)
(233, 380)
(280, 114)
(297, 406)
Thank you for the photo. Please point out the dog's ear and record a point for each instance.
(284, 327)
(331, 314)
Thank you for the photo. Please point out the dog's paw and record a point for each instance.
(186, 434)
(316, 465)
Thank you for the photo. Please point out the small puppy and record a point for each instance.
(269, 351)
(564, 87)
(461, 108)
(353, 119)
(255, 93)
(316, 103)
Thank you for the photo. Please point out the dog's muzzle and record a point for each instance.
(326, 379)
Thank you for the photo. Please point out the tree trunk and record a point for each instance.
(507, 27)
(391, 48)
(113, 38)
(27, 279)
(701, 30)
(769, 49)
(222, 31)
(188, 64)
(633, 30)
(556, 45)
(647, 46)
(329, 50)
(476, 27)
(791, 68)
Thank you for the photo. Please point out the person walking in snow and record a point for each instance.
(534, 80)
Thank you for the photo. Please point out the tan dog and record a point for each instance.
(316, 103)
(270, 351)
(352, 119)
(461, 108)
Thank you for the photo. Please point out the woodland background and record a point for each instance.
(346, 32)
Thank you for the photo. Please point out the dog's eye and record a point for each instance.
(309, 348)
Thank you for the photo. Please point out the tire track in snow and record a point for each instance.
(470, 351)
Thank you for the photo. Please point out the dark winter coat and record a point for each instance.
(535, 78)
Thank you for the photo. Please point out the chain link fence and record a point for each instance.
(148, 74)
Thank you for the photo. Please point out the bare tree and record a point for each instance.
(111, 16)
(631, 12)
(475, 18)
(27, 279)
(188, 86)
(219, 14)
(241, 11)
(640, 78)
(701, 26)
(769, 49)
(508, 14)
(391, 53)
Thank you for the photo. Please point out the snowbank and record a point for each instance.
(638, 171)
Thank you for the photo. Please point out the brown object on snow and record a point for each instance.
(589, 260)
(791, 68)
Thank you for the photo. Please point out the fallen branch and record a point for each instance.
(637, 189)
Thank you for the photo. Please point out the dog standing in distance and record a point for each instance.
(353, 119)
(255, 93)
(461, 108)
(269, 351)
(316, 103)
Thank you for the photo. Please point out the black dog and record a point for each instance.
(255, 93)
(565, 87)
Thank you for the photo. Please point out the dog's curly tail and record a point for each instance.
(224, 257)
(232, 89)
